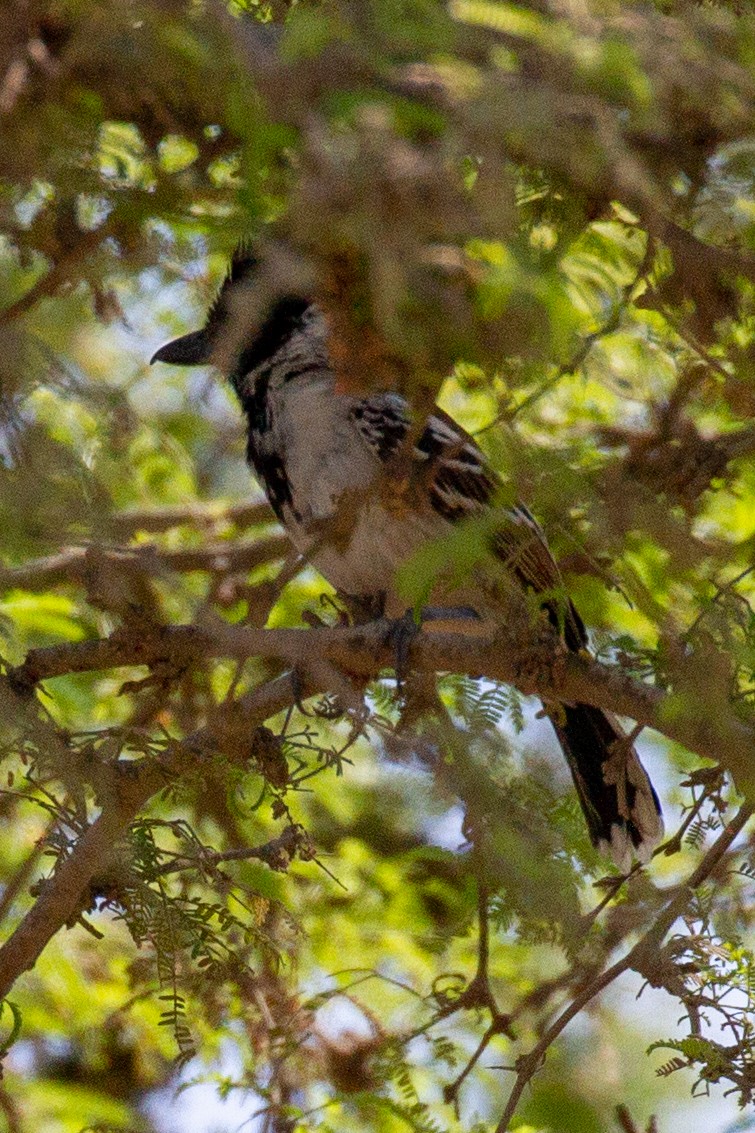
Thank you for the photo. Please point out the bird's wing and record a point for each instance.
(461, 484)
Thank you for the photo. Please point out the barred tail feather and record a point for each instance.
(620, 805)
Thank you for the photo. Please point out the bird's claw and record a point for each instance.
(399, 637)
(402, 631)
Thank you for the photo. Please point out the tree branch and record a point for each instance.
(246, 513)
(360, 651)
(543, 669)
(637, 959)
(61, 897)
(276, 853)
(76, 564)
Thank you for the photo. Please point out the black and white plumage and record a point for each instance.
(321, 457)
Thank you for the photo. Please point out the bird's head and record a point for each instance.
(247, 322)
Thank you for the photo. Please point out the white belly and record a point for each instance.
(369, 548)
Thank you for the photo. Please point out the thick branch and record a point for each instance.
(60, 900)
(363, 651)
(696, 259)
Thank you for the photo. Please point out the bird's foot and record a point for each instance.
(403, 631)
(399, 636)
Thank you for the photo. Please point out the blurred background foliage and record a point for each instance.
(543, 214)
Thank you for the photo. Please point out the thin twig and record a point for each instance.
(274, 853)
(75, 563)
(246, 513)
(636, 959)
(24, 872)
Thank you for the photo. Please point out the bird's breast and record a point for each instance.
(362, 546)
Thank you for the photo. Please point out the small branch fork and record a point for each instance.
(628, 1125)
(478, 994)
(276, 853)
(645, 957)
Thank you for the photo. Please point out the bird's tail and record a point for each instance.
(620, 805)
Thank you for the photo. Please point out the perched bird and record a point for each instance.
(323, 458)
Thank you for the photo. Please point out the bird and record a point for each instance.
(323, 456)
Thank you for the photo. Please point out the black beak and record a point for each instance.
(193, 349)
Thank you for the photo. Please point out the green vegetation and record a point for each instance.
(351, 911)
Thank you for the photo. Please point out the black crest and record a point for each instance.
(243, 267)
(196, 348)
